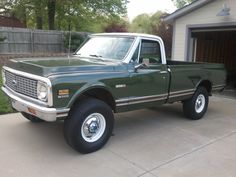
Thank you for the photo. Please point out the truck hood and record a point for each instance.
(62, 65)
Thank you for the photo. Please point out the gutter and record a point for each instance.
(185, 10)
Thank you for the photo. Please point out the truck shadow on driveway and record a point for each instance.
(139, 124)
(27, 135)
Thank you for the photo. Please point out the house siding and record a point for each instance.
(201, 16)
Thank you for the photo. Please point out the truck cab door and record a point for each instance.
(149, 77)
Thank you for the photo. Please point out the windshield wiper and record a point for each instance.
(94, 55)
(77, 54)
(97, 56)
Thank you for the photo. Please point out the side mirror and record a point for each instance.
(139, 66)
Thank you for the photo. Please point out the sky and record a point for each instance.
(136, 7)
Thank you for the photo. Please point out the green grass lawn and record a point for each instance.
(5, 106)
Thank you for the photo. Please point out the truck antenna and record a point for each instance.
(69, 44)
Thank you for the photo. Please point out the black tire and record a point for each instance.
(80, 113)
(32, 118)
(190, 109)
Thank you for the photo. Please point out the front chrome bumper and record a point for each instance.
(44, 113)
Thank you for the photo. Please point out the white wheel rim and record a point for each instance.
(93, 127)
(200, 103)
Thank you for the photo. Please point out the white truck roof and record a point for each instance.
(127, 34)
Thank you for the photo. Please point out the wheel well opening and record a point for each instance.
(207, 84)
(100, 94)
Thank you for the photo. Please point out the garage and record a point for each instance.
(217, 46)
(205, 31)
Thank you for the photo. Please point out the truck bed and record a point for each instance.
(187, 75)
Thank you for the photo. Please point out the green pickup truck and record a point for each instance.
(109, 73)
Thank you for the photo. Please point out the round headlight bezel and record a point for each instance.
(42, 91)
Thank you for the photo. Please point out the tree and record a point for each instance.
(153, 24)
(141, 24)
(60, 14)
(5, 7)
(182, 3)
(87, 15)
(116, 25)
(75, 10)
(162, 29)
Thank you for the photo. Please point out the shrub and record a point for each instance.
(2, 38)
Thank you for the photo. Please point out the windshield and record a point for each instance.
(106, 47)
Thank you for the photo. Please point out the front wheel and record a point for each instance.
(196, 107)
(89, 125)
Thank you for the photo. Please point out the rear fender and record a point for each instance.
(205, 83)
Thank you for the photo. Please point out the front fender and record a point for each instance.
(86, 88)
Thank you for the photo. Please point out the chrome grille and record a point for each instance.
(21, 84)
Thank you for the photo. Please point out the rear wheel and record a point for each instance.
(89, 125)
(196, 107)
(32, 118)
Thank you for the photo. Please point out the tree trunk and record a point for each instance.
(24, 17)
(51, 14)
(39, 22)
(38, 8)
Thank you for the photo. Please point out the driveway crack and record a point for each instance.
(133, 163)
(198, 148)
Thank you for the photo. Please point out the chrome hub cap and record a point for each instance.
(200, 103)
(93, 127)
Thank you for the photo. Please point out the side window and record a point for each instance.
(150, 50)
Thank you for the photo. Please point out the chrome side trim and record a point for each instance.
(151, 98)
(35, 77)
(183, 94)
(120, 86)
(217, 87)
(163, 72)
(182, 91)
(144, 99)
(122, 100)
(140, 98)
(141, 101)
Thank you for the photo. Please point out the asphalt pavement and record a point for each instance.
(153, 142)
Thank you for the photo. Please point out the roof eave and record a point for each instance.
(185, 10)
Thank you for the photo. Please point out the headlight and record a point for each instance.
(42, 91)
(3, 77)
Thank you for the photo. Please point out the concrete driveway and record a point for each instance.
(150, 142)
